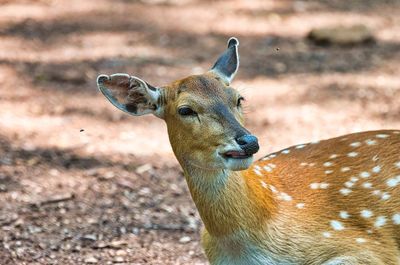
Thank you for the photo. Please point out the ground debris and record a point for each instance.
(55, 199)
(91, 260)
(341, 35)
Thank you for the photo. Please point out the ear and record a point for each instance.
(131, 94)
(228, 63)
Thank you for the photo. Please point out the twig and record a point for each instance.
(55, 199)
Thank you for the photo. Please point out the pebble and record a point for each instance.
(121, 252)
(118, 259)
(143, 168)
(91, 260)
(184, 239)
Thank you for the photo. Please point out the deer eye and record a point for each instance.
(239, 101)
(186, 111)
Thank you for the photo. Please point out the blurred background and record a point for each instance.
(83, 183)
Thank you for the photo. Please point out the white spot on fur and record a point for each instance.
(397, 164)
(328, 172)
(355, 144)
(376, 192)
(269, 157)
(303, 164)
(300, 205)
(285, 196)
(300, 146)
(365, 174)
(287, 151)
(361, 240)
(321, 185)
(396, 218)
(344, 214)
(385, 196)
(345, 169)
(337, 225)
(263, 184)
(273, 189)
(345, 191)
(380, 221)
(267, 168)
(333, 156)
(354, 179)
(370, 142)
(375, 158)
(352, 154)
(257, 172)
(366, 213)
(328, 164)
(324, 185)
(376, 169)
(392, 182)
(349, 184)
(367, 185)
(326, 234)
(382, 136)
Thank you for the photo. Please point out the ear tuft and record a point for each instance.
(233, 42)
(102, 78)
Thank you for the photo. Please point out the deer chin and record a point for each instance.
(237, 163)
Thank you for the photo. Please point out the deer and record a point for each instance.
(330, 202)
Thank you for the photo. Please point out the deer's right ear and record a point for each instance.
(131, 94)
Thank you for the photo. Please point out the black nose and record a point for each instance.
(249, 143)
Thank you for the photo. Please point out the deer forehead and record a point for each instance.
(205, 89)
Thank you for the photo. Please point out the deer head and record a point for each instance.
(203, 113)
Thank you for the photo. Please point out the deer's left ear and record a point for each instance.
(228, 63)
(131, 94)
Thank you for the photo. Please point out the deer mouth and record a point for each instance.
(236, 154)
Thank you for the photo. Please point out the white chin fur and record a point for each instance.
(238, 164)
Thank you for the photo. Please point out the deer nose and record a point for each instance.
(248, 143)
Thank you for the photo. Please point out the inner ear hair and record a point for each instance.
(130, 94)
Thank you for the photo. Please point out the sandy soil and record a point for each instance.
(81, 182)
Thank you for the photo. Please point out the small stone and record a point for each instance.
(91, 237)
(118, 244)
(118, 259)
(121, 252)
(91, 260)
(135, 231)
(144, 168)
(108, 175)
(184, 239)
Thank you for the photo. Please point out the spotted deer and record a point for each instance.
(335, 201)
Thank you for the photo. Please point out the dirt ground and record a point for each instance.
(83, 183)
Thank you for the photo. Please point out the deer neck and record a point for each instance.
(228, 200)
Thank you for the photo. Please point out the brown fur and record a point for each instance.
(255, 218)
(244, 204)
